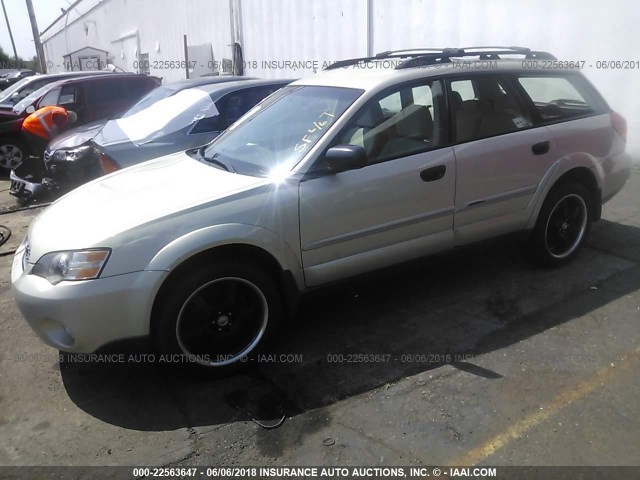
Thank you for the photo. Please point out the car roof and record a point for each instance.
(67, 75)
(89, 78)
(228, 87)
(390, 68)
(197, 82)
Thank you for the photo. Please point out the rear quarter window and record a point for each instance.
(559, 97)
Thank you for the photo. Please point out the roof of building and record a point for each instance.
(85, 48)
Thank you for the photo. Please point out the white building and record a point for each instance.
(149, 36)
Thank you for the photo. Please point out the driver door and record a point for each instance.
(399, 206)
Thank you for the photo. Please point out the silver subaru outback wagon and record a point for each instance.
(372, 162)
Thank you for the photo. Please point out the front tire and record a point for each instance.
(217, 318)
(12, 153)
(563, 224)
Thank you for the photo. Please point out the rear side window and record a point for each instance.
(486, 106)
(556, 98)
(464, 89)
(136, 88)
(69, 94)
(103, 91)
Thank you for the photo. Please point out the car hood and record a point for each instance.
(144, 193)
(76, 136)
(110, 134)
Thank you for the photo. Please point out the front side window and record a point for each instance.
(485, 106)
(397, 123)
(555, 97)
(49, 95)
(50, 98)
(277, 133)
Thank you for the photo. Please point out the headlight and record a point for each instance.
(72, 265)
(72, 154)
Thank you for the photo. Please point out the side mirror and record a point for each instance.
(342, 158)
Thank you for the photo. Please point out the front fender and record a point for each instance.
(183, 248)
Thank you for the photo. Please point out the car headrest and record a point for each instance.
(415, 121)
(371, 117)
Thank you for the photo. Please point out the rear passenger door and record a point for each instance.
(399, 206)
(501, 156)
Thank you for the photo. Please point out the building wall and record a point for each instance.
(313, 32)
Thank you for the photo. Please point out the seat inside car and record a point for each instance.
(360, 133)
(413, 131)
(485, 117)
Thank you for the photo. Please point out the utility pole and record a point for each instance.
(6, 17)
(36, 37)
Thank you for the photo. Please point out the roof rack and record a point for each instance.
(420, 57)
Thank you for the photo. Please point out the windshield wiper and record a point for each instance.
(212, 159)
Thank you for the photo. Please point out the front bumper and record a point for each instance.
(82, 316)
(26, 189)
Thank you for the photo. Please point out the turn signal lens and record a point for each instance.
(107, 165)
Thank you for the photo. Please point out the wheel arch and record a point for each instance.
(585, 173)
(251, 244)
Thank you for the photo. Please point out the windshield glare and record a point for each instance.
(169, 115)
(149, 99)
(275, 135)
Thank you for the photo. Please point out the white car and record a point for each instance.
(373, 162)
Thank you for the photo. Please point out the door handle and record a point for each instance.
(434, 173)
(540, 148)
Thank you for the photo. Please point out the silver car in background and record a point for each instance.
(373, 162)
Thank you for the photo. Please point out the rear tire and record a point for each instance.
(563, 224)
(217, 318)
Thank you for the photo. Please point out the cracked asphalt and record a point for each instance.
(476, 356)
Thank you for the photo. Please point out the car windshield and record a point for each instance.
(6, 94)
(22, 105)
(149, 99)
(169, 115)
(277, 133)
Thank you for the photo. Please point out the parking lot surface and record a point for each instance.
(476, 356)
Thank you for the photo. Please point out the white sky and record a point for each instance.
(46, 12)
